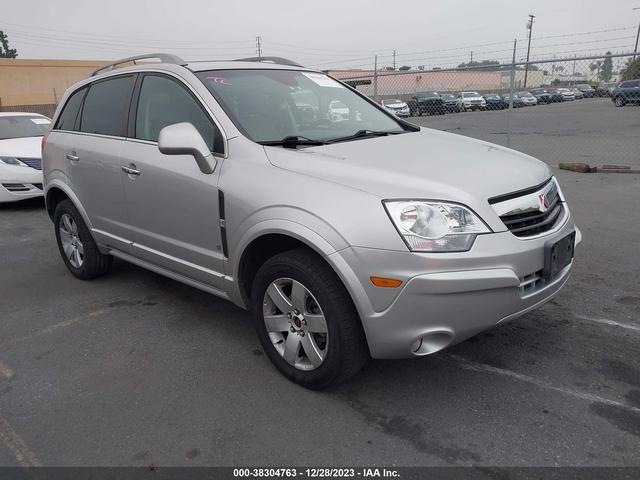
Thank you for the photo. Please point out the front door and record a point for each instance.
(172, 206)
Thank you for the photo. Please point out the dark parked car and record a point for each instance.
(517, 101)
(587, 90)
(627, 92)
(452, 103)
(429, 103)
(543, 96)
(556, 95)
(604, 89)
(495, 102)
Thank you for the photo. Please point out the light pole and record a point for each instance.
(526, 66)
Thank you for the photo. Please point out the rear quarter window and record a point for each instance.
(69, 114)
(106, 106)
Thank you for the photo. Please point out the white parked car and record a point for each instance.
(527, 98)
(397, 107)
(567, 95)
(473, 101)
(20, 155)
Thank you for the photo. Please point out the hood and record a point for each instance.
(428, 164)
(28, 147)
(396, 105)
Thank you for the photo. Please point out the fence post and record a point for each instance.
(511, 84)
(375, 79)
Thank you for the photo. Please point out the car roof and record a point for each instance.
(20, 114)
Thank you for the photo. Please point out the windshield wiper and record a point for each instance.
(363, 134)
(293, 141)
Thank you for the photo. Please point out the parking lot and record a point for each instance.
(136, 369)
(590, 131)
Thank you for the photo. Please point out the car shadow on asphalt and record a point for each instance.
(23, 205)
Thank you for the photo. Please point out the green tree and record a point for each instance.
(606, 71)
(5, 51)
(632, 70)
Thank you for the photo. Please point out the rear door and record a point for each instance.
(92, 156)
(172, 206)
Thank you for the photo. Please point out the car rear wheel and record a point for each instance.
(76, 245)
(306, 321)
(620, 102)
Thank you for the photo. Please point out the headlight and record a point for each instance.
(12, 161)
(429, 226)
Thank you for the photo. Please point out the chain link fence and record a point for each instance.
(580, 109)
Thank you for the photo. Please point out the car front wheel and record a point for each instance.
(620, 102)
(306, 321)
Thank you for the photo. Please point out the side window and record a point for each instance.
(69, 114)
(106, 106)
(164, 102)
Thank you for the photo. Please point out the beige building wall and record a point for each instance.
(37, 82)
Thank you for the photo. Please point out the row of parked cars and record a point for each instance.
(439, 103)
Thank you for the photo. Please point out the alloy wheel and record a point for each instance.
(71, 242)
(295, 323)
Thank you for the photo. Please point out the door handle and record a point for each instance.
(73, 158)
(130, 170)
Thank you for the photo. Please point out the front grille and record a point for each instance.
(533, 223)
(16, 187)
(32, 162)
(532, 211)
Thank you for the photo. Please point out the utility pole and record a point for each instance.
(526, 66)
(394, 58)
(259, 47)
(635, 50)
(471, 61)
(511, 85)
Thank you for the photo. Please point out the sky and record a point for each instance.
(322, 34)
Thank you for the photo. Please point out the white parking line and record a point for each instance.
(8, 436)
(484, 368)
(606, 321)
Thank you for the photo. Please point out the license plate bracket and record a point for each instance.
(557, 255)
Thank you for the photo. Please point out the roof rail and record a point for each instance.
(163, 57)
(278, 60)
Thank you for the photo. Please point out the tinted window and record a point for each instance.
(164, 102)
(67, 118)
(106, 106)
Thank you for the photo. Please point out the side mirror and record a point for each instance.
(184, 139)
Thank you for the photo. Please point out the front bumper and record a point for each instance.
(19, 183)
(447, 298)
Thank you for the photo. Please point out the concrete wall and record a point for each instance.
(38, 82)
(402, 84)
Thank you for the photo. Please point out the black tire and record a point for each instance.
(94, 263)
(347, 350)
(620, 101)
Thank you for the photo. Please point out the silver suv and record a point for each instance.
(348, 236)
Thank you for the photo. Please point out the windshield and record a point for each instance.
(271, 105)
(428, 94)
(21, 126)
(470, 94)
(492, 97)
